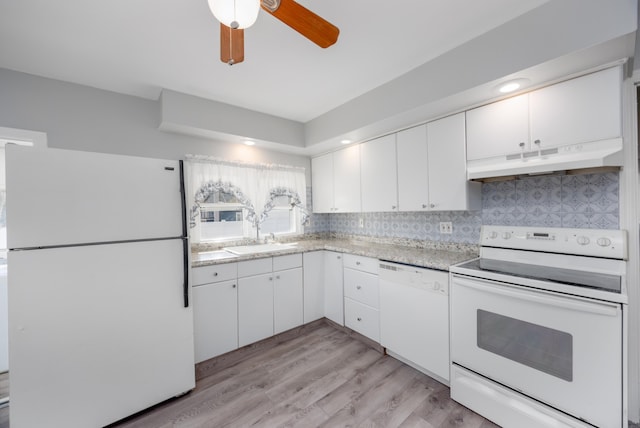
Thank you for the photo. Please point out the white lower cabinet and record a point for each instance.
(362, 318)
(313, 283)
(287, 300)
(255, 308)
(361, 296)
(215, 310)
(333, 287)
(255, 300)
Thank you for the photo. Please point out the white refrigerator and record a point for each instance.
(100, 323)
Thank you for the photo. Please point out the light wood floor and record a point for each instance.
(324, 378)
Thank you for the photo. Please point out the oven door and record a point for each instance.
(564, 351)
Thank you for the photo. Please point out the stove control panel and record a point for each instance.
(587, 242)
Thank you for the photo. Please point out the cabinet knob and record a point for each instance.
(233, 286)
(393, 207)
(338, 257)
(278, 277)
(270, 278)
(215, 274)
(537, 142)
(358, 263)
(359, 319)
(432, 205)
(521, 144)
(424, 205)
(358, 287)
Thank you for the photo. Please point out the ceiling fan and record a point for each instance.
(236, 15)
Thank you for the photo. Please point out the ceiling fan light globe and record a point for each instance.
(237, 14)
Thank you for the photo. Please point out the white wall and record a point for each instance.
(82, 118)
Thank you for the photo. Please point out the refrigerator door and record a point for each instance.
(97, 332)
(65, 197)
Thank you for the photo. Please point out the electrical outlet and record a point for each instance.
(446, 227)
(361, 223)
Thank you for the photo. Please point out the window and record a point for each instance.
(282, 218)
(221, 217)
(234, 200)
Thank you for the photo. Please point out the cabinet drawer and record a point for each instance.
(365, 264)
(254, 267)
(214, 273)
(289, 261)
(362, 318)
(362, 287)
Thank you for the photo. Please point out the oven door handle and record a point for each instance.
(539, 296)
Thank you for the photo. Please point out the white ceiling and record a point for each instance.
(139, 47)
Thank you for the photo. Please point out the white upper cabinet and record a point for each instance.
(379, 185)
(413, 177)
(322, 182)
(335, 180)
(580, 110)
(431, 167)
(346, 178)
(497, 129)
(448, 186)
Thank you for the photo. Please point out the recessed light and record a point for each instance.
(346, 142)
(509, 87)
(249, 143)
(512, 85)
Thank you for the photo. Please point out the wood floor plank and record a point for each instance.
(321, 377)
(361, 382)
(360, 407)
(400, 406)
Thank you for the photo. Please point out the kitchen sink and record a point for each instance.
(213, 255)
(260, 248)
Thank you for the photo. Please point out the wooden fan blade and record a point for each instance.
(231, 45)
(305, 22)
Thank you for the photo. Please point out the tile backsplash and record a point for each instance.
(580, 201)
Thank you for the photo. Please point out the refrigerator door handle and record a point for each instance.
(185, 238)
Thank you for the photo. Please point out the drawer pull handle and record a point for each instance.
(215, 274)
(358, 263)
(358, 287)
(234, 286)
(359, 319)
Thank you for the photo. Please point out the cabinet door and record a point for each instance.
(333, 288)
(413, 176)
(287, 300)
(378, 177)
(255, 308)
(580, 110)
(346, 177)
(322, 183)
(498, 129)
(448, 186)
(313, 285)
(215, 319)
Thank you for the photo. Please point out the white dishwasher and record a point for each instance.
(414, 317)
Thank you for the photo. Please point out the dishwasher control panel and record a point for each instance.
(425, 279)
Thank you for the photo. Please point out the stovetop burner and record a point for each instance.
(595, 280)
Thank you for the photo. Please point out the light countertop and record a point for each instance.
(435, 256)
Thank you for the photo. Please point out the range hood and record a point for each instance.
(578, 156)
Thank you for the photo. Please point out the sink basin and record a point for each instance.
(260, 248)
(213, 255)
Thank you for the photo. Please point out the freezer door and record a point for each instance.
(65, 197)
(97, 333)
